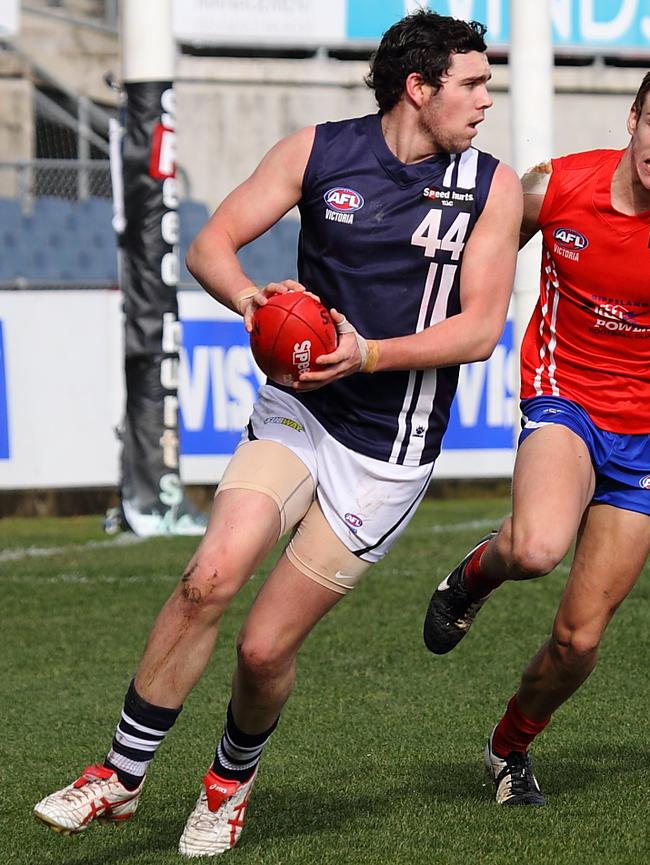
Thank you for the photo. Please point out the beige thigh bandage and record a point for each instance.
(273, 469)
(319, 554)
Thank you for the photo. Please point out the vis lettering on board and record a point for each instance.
(224, 374)
(493, 380)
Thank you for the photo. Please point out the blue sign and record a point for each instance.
(483, 410)
(4, 419)
(585, 24)
(218, 384)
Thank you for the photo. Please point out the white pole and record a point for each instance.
(146, 40)
(531, 111)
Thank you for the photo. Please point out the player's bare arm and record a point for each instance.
(535, 183)
(246, 213)
(487, 275)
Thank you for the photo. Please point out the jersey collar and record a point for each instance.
(404, 175)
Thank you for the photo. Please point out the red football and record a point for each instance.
(289, 333)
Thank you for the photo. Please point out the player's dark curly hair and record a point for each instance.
(422, 42)
(639, 99)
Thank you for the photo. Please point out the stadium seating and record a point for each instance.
(10, 213)
(271, 257)
(60, 241)
(57, 241)
(192, 216)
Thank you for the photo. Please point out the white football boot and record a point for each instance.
(96, 795)
(217, 820)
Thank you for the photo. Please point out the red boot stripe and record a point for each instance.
(238, 821)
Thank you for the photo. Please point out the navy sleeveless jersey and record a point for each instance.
(383, 242)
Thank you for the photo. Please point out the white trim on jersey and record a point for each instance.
(408, 397)
(428, 387)
(548, 344)
(467, 169)
(537, 381)
(420, 413)
(446, 181)
(552, 366)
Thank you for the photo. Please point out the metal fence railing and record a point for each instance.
(70, 179)
(101, 13)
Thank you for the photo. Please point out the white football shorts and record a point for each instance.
(367, 502)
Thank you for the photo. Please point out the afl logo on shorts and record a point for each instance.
(570, 238)
(644, 483)
(353, 521)
(343, 200)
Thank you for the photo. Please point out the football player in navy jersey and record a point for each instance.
(409, 235)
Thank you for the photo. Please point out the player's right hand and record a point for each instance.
(351, 355)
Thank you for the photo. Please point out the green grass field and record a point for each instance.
(378, 756)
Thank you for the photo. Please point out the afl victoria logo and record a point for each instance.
(570, 238)
(343, 200)
(644, 483)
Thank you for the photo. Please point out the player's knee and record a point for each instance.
(503, 539)
(262, 659)
(534, 557)
(207, 586)
(573, 647)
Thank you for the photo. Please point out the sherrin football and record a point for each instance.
(289, 333)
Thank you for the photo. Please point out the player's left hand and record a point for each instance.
(348, 358)
(252, 300)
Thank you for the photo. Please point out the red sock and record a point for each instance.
(476, 583)
(515, 731)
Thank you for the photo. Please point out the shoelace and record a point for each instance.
(519, 768)
(85, 792)
(206, 820)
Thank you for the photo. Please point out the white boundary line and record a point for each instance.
(125, 540)
(18, 553)
(445, 528)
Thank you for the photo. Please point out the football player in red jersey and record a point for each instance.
(583, 465)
